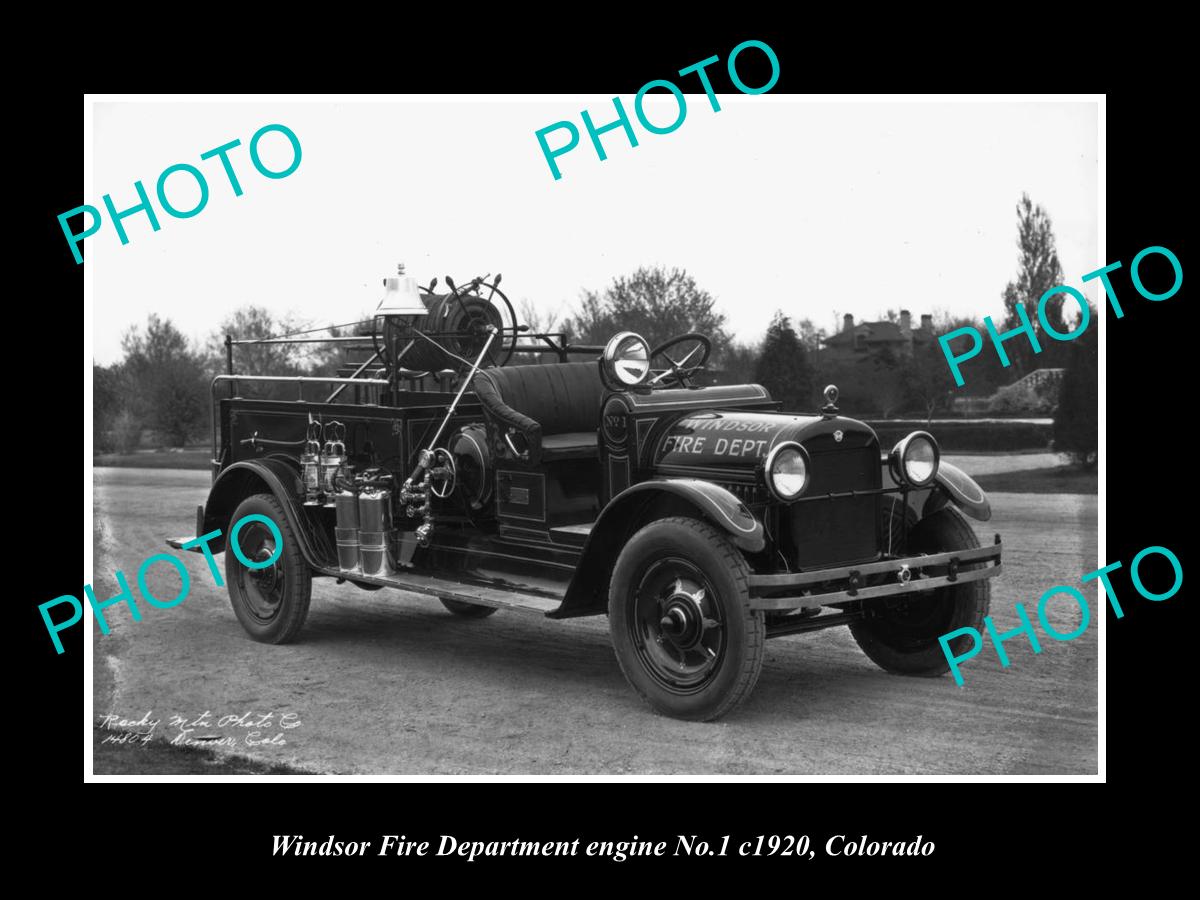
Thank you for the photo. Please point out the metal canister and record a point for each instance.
(346, 530)
(375, 531)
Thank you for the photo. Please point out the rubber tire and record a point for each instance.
(468, 610)
(727, 572)
(944, 530)
(297, 587)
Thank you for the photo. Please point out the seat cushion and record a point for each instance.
(561, 397)
(572, 445)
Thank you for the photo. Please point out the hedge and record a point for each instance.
(955, 437)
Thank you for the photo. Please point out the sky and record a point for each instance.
(774, 202)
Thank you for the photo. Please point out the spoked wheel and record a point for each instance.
(506, 341)
(900, 634)
(676, 625)
(269, 599)
(454, 331)
(680, 620)
(462, 319)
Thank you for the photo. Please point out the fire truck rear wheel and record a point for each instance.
(901, 634)
(270, 602)
(680, 619)
(468, 610)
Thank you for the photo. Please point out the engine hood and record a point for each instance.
(743, 439)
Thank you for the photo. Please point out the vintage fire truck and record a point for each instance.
(592, 480)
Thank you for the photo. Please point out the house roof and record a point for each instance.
(876, 333)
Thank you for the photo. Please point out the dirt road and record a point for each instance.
(390, 683)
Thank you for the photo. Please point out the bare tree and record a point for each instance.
(657, 303)
(810, 335)
(165, 379)
(258, 323)
(926, 379)
(540, 321)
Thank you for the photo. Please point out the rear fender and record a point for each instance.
(270, 475)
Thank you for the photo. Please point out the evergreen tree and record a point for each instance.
(784, 368)
(1076, 423)
(1039, 271)
(737, 365)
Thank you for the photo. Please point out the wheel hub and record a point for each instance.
(264, 587)
(682, 622)
(266, 579)
(677, 626)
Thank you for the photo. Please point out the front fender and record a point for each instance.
(270, 475)
(588, 591)
(714, 502)
(952, 483)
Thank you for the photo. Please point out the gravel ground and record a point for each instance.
(390, 683)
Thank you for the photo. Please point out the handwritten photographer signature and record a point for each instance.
(205, 730)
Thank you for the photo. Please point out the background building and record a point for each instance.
(868, 339)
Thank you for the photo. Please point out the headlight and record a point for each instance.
(626, 359)
(914, 460)
(787, 471)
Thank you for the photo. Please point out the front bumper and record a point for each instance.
(868, 581)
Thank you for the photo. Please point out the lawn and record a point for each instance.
(173, 459)
(1051, 480)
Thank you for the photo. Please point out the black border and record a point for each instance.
(997, 827)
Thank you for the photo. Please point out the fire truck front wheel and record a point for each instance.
(680, 619)
(900, 634)
(270, 596)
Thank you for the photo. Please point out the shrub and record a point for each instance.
(1076, 426)
(1024, 397)
(106, 403)
(967, 435)
(126, 432)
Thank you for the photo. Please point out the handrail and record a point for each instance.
(300, 379)
(351, 338)
(357, 372)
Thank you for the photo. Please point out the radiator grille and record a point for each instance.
(829, 532)
(750, 494)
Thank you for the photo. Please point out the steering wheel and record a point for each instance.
(681, 372)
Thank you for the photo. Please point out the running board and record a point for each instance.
(576, 535)
(445, 589)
